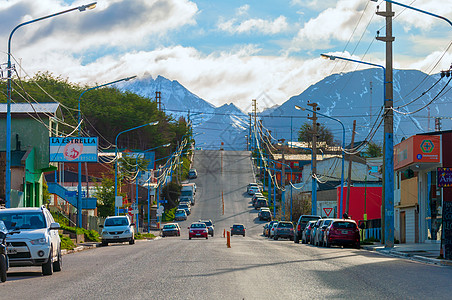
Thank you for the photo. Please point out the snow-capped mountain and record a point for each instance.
(359, 96)
(175, 98)
(228, 125)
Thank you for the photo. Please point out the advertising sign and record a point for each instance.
(417, 149)
(444, 177)
(73, 149)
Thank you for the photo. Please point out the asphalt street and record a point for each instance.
(253, 268)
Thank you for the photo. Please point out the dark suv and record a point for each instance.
(301, 224)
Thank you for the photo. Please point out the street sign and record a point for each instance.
(160, 211)
(327, 211)
(118, 201)
(134, 206)
(163, 201)
(134, 211)
(130, 211)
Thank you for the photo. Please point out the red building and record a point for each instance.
(363, 200)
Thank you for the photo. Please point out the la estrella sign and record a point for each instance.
(444, 177)
(73, 149)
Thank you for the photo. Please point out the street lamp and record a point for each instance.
(79, 188)
(8, 97)
(116, 158)
(388, 183)
(417, 9)
(343, 154)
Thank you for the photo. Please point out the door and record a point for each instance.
(402, 228)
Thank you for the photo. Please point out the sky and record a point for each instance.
(223, 51)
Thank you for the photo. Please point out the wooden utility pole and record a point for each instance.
(314, 157)
(349, 179)
(387, 211)
(249, 136)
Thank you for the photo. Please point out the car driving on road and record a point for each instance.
(284, 229)
(180, 215)
(171, 229)
(198, 229)
(238, 229)
(210, 226)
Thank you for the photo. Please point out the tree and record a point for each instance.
(105, 194)
(323, 134)
(373, 150)
(171, 193)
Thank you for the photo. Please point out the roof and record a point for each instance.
(307, 157)
(21, 209)
(51, 108)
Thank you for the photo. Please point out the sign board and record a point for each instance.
(444, 177)
(417, 149)
(163, 201)
(447, 227)
(129, 210)
(328, 211)
(73, 149)
(118, 201)
(134, 206)
(134, 211)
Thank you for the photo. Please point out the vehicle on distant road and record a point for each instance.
(306, 234)
(192, 174)
(186, 207)
(117, 229)
(255, 197)
(342, 232)
(198, 229)
(171, 229)
(301, 224)
(253, 189)
(261, 202)
(284, 229)
(238, 229)
(264, 214)
(180, 215)
(37, 242)
(210, 226)
(251, 185)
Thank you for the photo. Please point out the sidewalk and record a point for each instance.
(427, 253)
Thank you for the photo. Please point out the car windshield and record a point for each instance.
(348, 225)
(208, 223)
(183, 206)
(23, 220)
(327, 222)
(116, 222)
(237, 226)
(169, 226)
(198, 225)
(180, 212)
(285, 225)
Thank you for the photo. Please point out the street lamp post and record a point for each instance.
(343, 154)
(8, 96)
(79, 187)
(116, 157)
(388, 183)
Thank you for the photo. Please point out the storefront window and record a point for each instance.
(434, 208)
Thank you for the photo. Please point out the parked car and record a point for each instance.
(171, 229)
(253, 189)
(314, 230)
(117, 229)
(238, 229)
(301, 224)
(306, 235)
(264, 232)
(255, 197)
(192, 174)
(342, 232)
(272, 229)
(284, 229)
(267, 228)
(251, 185)
(210, 226)
(318, 238)
(37, 242)
(264, 214)
(198, 229)
(185, 206)
(180, 215)
(261, 202)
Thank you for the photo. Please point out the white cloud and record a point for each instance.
(255, 25)
(243, 10)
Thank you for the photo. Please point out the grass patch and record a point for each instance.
(66, 243)
(168, 215)
(142, 236)
(90, 235)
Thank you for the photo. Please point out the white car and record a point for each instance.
(118, 229)
(253, 189)
(37, 243)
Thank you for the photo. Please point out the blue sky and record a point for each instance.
(223, 51)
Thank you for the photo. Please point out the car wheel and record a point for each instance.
(47, 267)
(207, 237)
(3, 267)
(243, 235)
(275, 237)
(58, 265)
(132, 241)
(358, 245)
(296, 240)
(212, 233)
(189, 237)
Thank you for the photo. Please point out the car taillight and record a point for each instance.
(299, 227)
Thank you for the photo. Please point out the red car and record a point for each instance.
(342, 232)
(198, 229)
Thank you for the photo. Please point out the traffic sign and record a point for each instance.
(163, 201)
(130, 211)
(134, 206)
(134, 211)
(327, 211)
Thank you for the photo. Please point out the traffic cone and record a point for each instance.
(224, 232)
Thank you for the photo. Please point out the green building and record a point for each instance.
(31, 126)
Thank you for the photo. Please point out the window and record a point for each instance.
(33, 220)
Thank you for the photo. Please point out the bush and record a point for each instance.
(142, 236)
(66, 243)
(90, 235)
(169, 214)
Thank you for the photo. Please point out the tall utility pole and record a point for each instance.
(349, 179)
(387, 216)
(249, 136)
(255, 117)
(314, 155)
(370, 106)
(158, 99)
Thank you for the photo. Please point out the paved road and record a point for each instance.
(253, 268)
